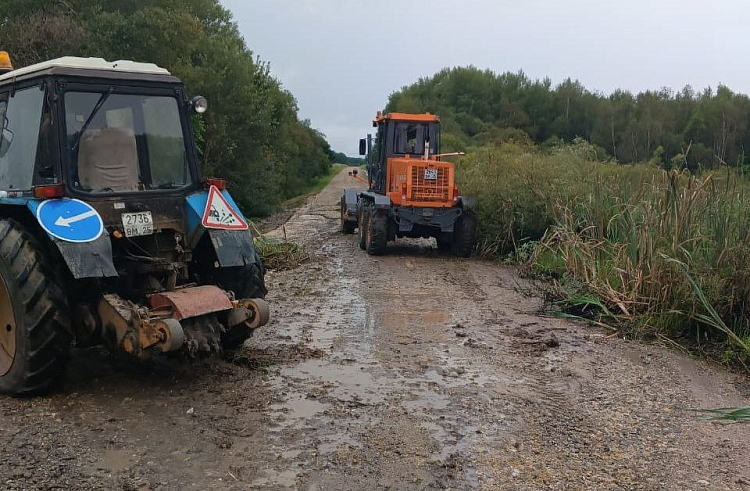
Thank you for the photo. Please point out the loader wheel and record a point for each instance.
(347, 227)
(363, 219)
(444, 241)
(35, 331)
(376, 234)
(464, 234)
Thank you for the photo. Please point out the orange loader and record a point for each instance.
(412, 190)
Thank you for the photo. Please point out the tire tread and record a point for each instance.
(44, 305)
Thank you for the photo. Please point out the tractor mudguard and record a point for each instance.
(88, 259)
(379, 200)
(84, 259)
(196, 208)
(233, 247)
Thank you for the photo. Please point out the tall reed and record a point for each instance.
(643, 240)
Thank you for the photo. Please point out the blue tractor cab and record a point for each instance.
(108, 234)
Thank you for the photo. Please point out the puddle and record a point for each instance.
(423, 327)
(300, 408)
(349, 382)
(335, 442)
(285, 479)
(427, 401)
(116, 460)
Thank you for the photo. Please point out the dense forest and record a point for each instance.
(342, 158)
(674, 129)
(251, 135)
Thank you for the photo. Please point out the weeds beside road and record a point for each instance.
(657, 253)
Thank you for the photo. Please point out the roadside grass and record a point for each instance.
(281, 254)
(278, 254)
(727, 415)
(656, 254)
(303, 191)
(315, 186)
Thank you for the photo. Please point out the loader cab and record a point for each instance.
(400, 135)
(92, 129)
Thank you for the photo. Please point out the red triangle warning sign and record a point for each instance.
(220, 214)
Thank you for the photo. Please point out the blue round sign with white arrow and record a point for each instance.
(70, 220)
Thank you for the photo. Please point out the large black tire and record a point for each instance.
(37, 321)
(376, 234)
(364, 217)
(246, 281)
(444, 241)
(347, 226)
(464, 234)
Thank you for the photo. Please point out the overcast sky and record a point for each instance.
(342, 58)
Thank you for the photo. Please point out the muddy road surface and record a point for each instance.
(411, 371)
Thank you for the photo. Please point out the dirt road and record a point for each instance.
(408, 371)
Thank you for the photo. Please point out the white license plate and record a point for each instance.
(430, 174)
(135, 224)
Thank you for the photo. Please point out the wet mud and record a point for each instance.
(409, 371)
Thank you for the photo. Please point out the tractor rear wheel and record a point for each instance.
(35, 331)
(246, 282)
(347, 227)
(464, 234)
(376, 239)
(363, 219)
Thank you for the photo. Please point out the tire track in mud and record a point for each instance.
(409, 371)
(468, 387)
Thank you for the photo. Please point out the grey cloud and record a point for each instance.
(341, 59)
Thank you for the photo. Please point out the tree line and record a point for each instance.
(689, 128)
(342, 158)
(251, 135)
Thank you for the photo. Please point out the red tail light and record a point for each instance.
(53, 191)
(219, 183)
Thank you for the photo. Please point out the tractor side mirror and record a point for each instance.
(363, 146)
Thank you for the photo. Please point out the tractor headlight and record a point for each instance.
(199, 104)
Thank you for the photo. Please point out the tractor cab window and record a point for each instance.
(411, 138)
(21, 116)
(125, 142)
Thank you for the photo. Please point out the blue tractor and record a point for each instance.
(108, 235)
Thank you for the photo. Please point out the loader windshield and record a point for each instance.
(412, 138)
(125, 142)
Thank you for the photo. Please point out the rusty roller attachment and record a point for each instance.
(252, 312)
(132, 329)
(175, 319)
(173, 337)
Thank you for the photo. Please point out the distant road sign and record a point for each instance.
(220, 214)
(70, 220)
